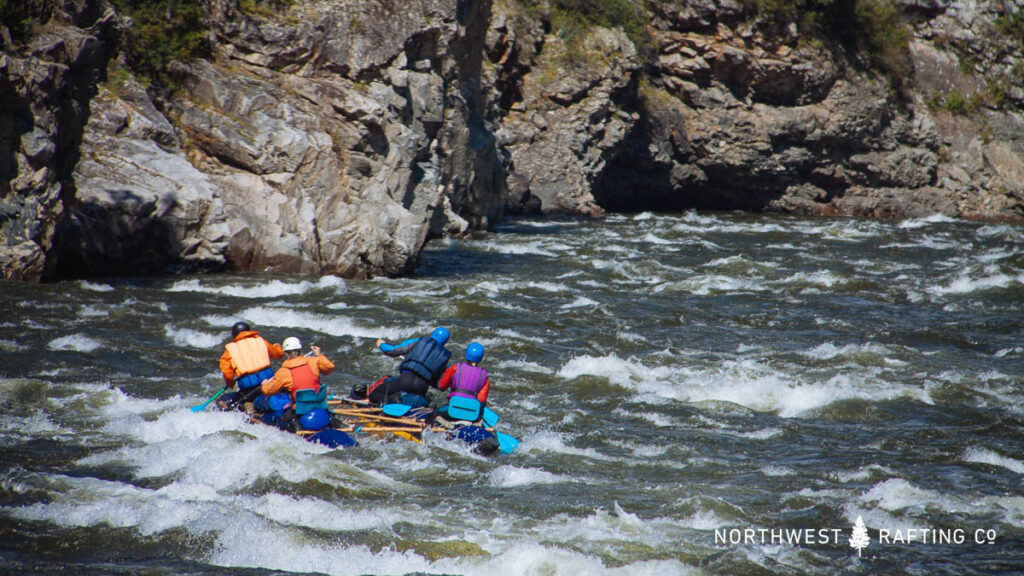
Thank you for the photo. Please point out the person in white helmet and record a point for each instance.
(297, 373)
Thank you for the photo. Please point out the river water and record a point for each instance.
(690, 390)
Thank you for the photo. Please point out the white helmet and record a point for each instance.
(292, 343)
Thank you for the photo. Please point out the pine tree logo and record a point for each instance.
(859, 539)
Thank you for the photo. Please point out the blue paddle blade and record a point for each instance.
(506, 443)
(490, 418)
(397, 410)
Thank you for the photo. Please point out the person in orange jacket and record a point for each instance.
(298, 372)
(246, 361)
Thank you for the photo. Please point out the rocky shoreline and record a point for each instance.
(338, 137)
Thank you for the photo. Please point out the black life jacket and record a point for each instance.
(427, 359)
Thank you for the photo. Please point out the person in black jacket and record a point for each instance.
(424, 361)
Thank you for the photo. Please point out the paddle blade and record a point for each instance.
(396, 410)
(203, 406)
(507, 443)
(490, 418)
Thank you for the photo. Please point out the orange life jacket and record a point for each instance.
(303, 378)
(248, 355)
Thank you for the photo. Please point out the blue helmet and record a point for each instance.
(315, 420)
(474, 352)
(440, 334)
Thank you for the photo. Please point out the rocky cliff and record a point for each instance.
(339, 136)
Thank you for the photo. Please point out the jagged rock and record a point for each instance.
(45, 88)
(333, 143)
(769, 127)
(338, 136)
(141, 206)
(572, 123)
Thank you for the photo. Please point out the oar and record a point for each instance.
(353, 409)
(408, 421)
(383, 429)
(360, 428)
(490, 418)
(203, 406)
(506, 443)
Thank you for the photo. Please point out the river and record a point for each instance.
(697, 393)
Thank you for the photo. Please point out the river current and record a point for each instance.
(694, 394)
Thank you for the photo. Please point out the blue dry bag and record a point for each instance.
(463, 408)
(315, 420)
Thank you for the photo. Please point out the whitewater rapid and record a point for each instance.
(668, 375)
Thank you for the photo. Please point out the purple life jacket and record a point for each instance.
(468, 380)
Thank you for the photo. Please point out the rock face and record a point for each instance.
(337, 137)
(45, 93)
(334, 141)
(733, 119)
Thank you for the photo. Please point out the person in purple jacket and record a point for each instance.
(467, 378)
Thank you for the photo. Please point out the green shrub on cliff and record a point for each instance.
(20, 16)
(162, 31)
(571, 18)
(264, 8)
(874, 28)
(1012, 25)
(886, 36)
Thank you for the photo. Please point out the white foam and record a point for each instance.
(38, 425)
(301, 321)
(765, 434)
(12, 346)
(579, 302)
(705, 520)
(513, 476)
(986, 456)
(862, 473)
(90, 311)
(615, 369)
(822, 278)
(547, 286)
(707, 284)
(83, 502)
(829, 351)
(658, 419)
(75, 343)
(771, 470)
(188, 338)
(318, 514)
(290, 552)
(630, 336)
(555, 443)
(1016, 351)
(990, 277)
(651, 238)
(528, 248)
(1001, 231)
(95, 287)
(604, 526)
(746, 382)
(915, 223)
(525, 366)
(897, 494)
(266, 289)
